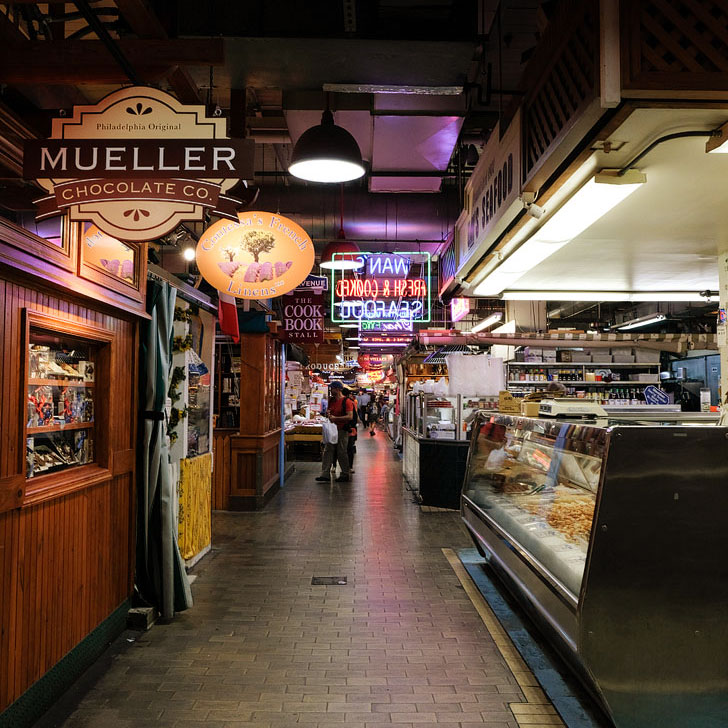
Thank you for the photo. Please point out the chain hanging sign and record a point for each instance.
(137, 164)
(259, 255)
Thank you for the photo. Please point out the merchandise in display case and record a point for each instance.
(198, 431)
(440, 417)
(227, 401)
(611, 536)
(59, 423)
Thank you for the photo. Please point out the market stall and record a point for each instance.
(437, 418)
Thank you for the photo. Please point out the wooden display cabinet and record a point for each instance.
(247, 458)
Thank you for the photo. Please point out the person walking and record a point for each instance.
(372, 415)
(353, 434)
(362, 400)
(340, 412)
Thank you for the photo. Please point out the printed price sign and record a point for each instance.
(655, 395)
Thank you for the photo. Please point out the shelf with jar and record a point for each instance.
(589, 374)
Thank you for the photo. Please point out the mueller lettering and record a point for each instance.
(85, 158)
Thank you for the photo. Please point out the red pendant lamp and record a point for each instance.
(341, 254)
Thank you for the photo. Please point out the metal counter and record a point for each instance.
(636, 599)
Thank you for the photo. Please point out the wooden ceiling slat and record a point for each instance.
(89, 61)
(143, 21)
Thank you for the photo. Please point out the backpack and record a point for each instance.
(355, 418)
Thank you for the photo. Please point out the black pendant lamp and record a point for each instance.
(326, 153)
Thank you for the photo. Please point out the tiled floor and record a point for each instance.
(401, 643)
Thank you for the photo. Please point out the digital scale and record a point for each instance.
(564, 407)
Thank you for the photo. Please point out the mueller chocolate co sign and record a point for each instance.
(137, 164)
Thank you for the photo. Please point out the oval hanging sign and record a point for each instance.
(262, 255)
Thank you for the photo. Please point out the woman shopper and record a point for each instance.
(372, 415)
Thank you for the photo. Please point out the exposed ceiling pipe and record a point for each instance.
(403, 217)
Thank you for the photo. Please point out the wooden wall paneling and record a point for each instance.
(221, 470)
(65, 562)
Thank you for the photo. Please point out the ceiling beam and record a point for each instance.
(145, 24)
(141, 18)
(89, 61)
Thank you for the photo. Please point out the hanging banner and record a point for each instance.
(303, 317)
(260, 255)
(137, 164)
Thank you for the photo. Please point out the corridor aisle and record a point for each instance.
(400, 643)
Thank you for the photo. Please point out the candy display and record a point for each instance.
(60, 404)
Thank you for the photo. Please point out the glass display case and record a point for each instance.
(469, 407)
(611, 536)
(59, 421)
(227, 400)
(445, 417)
(198, 411)
(540, 487)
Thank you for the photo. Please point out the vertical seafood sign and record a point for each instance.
(259, 255)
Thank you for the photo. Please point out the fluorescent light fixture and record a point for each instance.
(351, 338)
(607, 296)
(486, 322)
(718, 144)
(653, 318)
(373, 88)
(592, 201)
(351, 348)
(379, 344)
(349, 326)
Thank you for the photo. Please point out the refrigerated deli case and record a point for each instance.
(614, 539)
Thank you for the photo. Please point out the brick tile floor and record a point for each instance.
(400, 644)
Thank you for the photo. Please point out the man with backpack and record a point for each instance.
(341, 413)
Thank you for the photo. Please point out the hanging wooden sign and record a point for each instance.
(137, 164)
(260, 255)
(303, 317)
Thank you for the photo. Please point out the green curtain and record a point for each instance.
(161, 576)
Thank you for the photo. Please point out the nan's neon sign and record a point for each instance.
(386, 288)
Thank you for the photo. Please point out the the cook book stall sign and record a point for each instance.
(259, 255)
(303, 317)
(137, 164)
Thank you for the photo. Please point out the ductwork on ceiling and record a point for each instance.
(388, 221)
(399, 132)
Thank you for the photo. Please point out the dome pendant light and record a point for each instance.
(347, 253)
(326, 153)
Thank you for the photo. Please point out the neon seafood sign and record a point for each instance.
(385, 292)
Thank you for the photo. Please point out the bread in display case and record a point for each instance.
(611, 536)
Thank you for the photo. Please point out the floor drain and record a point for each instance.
(328, 580)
